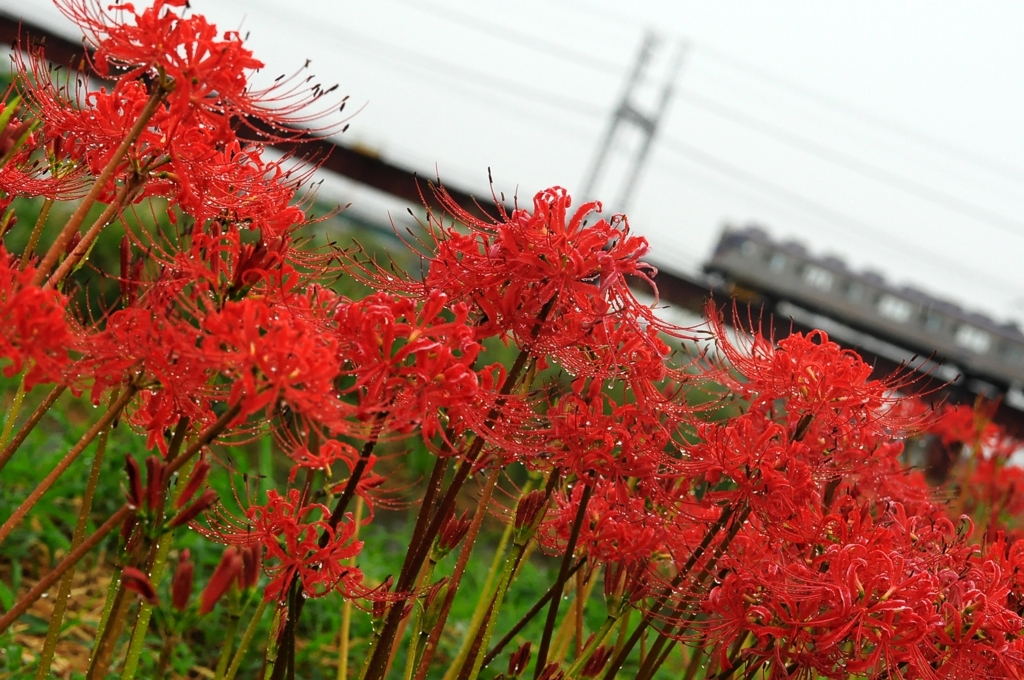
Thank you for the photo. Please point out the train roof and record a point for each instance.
(835, 264)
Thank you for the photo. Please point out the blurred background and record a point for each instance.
(885, 134)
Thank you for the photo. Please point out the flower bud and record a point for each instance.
(138, 582)
(528, 514)
(451, 534)
(252, 560)
(519, 660)
(195, 480)
(154, 483)
(131, 467)
(596, 663)
(224, 575)
(203, 503)
(181, 584)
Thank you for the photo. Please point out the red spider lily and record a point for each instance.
(407, 361)
(327, 454)
(870, 596)
(145, 340)
(291, 535)
(33, 329)
(615, 441)
(619, 526)
(510, 269)
(273, 350)
(209, 70)
(37, 161)
(816, 378)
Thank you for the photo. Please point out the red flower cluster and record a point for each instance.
(34, 330)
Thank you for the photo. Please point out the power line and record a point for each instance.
(865, 116)
(793, 87)
(828, 215)
(511, 35)
(825, 213)
(873, 172)
(500, 83)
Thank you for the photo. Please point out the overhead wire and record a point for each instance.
(827, 215)
(877, 174)
(511, 35)
(865, 116)
(865, 169)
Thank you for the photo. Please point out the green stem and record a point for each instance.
(563, 575)
(112, 412)
(229, 641)
(247, 636)
(37, 230)
(527, 617)
(346, 607)
(138, 639)
(270, 659)
(419, 547)
(507, 574)
(108, 607)
(159, 561)
(595, 642)
(30, 424)
(12, 413)
(60, 603)
(483, 601)
(416, 636)
(460, 568)
(22, 605)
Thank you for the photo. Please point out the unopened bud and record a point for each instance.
(203, 503)
(252, 560)
(596, 663)
(227, 571)
(195, 480)
(154, 482)
(76, 238)
(138, 582)
(451, 534)
(131, 467)
(434, 603)
(552, 672)
(519, 660)
(181, 584)
(528, 514)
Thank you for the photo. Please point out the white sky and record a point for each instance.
(926, 99)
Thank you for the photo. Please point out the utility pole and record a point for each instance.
(629, 114)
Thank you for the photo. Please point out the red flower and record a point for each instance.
(291, 535)
(209, 70)
(33, 329)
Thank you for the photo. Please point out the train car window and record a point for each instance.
(748, 249)
(1015, 355)
(777, 263)
(973, 338)
(932, 322)
(856, 292)
(894, 308)
(819, 278)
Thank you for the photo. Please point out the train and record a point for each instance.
(970, 348)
